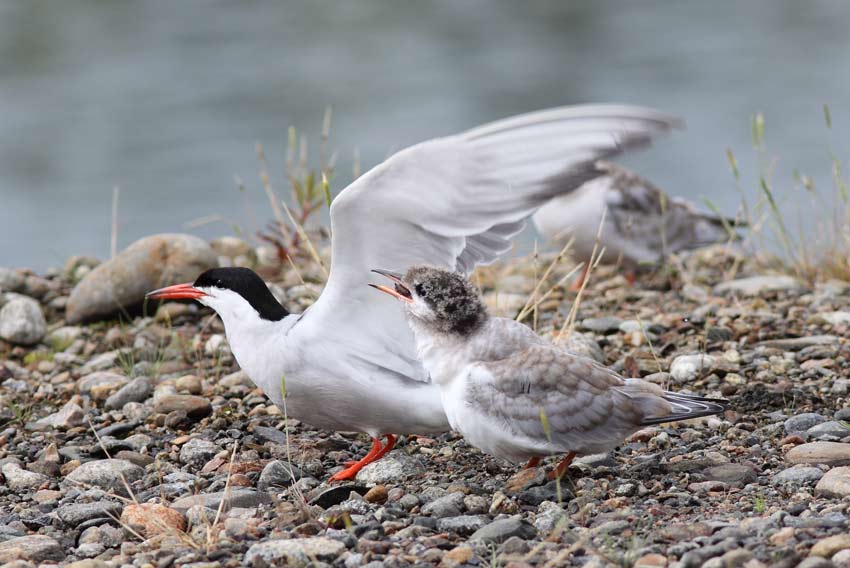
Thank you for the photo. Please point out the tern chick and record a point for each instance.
(514, 395)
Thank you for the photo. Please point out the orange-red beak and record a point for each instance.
(177, 292)
(399, 291)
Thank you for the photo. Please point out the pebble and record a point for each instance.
(802, 422)
(276, 473)
(830, 429)
(189, 383)
(798, 476)
(35, 548)
(798, 343)
(151, 519)
(835, 483)
(22, 321)
(463, 525)
(11, 280)
(73, 514)
(733, 474)
(377, 494)
(829, 453)
(147, 264)
(18, 479)
(107, 474)
(137, 390)
(395, 466)
(756, 285)
(830, 545)
(842, 559)
(295, 552)
(69, 416)
(450, 505)
(197, 451)
(686, 368)
(651, 561)
(242, 497)
(606, 324)
(501, 530)
(101, 383)
(195, 407)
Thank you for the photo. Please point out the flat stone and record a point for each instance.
(108, 474)
(69, 416)
(22, 321)
(19, 479)
(395, 466)
(137, 390)
(296, 552)
(606, 324)
(101, 382)
(798, 476)
(797, 343)
(829, 453)
(241, 497)
(802, 422)
(828, 546)
(831, 428)
(195, 407)
(450, 505)
(75, 513)
(35, 548)
(835, 483)
(503, 529)
(277, 473)
(266, 434)
(462, 525)
(755, 285)
(147, 264)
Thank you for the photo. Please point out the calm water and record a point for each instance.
(167, 99)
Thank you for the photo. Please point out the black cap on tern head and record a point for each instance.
(455, 302)
(247, 284)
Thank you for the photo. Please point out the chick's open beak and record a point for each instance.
(177, 292)
(399, 291)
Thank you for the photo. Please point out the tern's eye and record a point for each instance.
(420, 290)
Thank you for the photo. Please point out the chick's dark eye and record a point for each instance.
(420, 289)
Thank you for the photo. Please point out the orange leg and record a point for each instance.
(631, 277)
(561, 468)
(377, 452)
(577, 283)
(533, 462)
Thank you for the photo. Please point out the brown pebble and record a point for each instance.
(150, 519)
(240, 480)
(651, 560)
(377, 494)
(68, 467)
(458, 555)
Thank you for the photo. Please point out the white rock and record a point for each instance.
(686, 368)
(295, 551)
(19, 479)
(22, 321)
(755, 285)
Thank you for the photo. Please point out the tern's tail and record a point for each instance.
(686, 406)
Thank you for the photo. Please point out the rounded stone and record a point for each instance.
(22, 321)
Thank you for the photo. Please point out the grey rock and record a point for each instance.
(195, 407)
(829, 453)
(22, 321)
(102, 361)
(11, 280)
(686, 368)
(815, 562)
(242, 497)
(549, 515)
(462, 525)
(266, 434)
(395, 466)
(450, 505)
(76, 513)
(109, 474)
(295, 552)
(830, 429)
(802, 422)
(19, 479)
(755, 285)
(197, 451)
(277, 473)
(137, 390)
(797, 343)
(35, 548)
(503, 529)
(607, 324)
(798, 476)
(734, 474)
(476, 504)
(69, 416)
(148, 263)
(843, 414)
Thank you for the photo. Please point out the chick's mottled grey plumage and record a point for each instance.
(517, 396)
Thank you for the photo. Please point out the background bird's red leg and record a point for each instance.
(354, 467)
(631, 277)
(533, 462)
(576, 285)
(561, 468)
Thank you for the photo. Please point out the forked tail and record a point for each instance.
(686, 407)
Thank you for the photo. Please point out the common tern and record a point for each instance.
(514, 395)
(642, 223)
(349, 361)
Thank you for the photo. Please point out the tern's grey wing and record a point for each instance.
(650, 223)
(587, 407)
(455, 202)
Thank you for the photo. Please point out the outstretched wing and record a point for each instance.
(453, 203)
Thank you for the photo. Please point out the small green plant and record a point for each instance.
(35, 357)
(759, 504)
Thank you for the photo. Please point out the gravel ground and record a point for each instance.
(137, 442)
